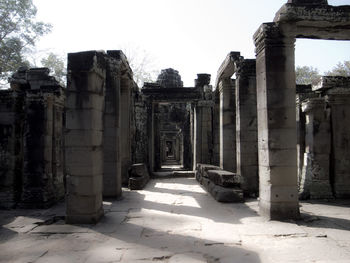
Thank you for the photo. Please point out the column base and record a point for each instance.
(279, 210)
(85, 218)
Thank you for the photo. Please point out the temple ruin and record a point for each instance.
(253, 133)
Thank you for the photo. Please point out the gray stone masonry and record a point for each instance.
(275, 96)
(226, 89)
(315, 179)
(224, 186)
(246, 125)
(338, 100)
(224, 178)
(203, 140)
(84, 162)
(31, 144)
(138, 176)
(278, 189)
(11, 157)
(111, 129)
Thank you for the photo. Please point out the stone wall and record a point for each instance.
(325, 166)
(31, 146)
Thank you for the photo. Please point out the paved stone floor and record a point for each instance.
(174, 220)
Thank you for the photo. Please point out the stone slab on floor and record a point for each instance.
(176, 220)
(223, 194)
(224, 178)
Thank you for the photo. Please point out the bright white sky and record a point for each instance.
(191, 36)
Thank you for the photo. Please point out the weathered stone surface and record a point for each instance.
(202, 169)
(223, 194)
(227, 88)
(224, 178)
(87, 74)
(275, 74)
(138, 176)
(169, 78)
(31, 127)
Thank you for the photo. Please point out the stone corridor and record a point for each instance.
(175, 220)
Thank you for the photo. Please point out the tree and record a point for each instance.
(18, 33)
(141, 63)
(56, 66)
(307, 75)
(341, 69)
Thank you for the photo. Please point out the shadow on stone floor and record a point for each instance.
(168, 245)
(15, 221)
(321, 217)
(317, 221)
(230, 213)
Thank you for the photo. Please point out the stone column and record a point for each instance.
(150, 132)
(227, 125)
(203, 132)
(84, 136)
(246, 125)
(216, 129)
(156, 138)
(125, 140)
(315, 181)
(276, 123)
(186, 157)
(339, 101)
(112, 185)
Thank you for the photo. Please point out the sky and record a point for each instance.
(191, 36)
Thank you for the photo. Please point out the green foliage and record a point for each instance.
(307, 75)
(56, 66)
(341, 69)
(18, 33)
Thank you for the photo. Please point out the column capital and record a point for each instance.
(225, 83)
(246, 67)
(271, 34)
(313, 103)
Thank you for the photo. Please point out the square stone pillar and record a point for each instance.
(276, 123)
(246, 125)
(112, 181)
(84, 136)
(315, 180)
(203, 132)
(216, 129)
(227, 125)
(340, 112)
(125, 136)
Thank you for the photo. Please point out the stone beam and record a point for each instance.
(316, 21)
(227, 68)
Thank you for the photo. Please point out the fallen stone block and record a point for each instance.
(138, 176)
(201, 170)
(224, 178)
(227, 195)
(223, 194)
